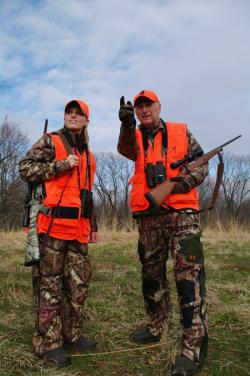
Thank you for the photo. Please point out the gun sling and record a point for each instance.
(220, 171)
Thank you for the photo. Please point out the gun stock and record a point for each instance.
(157, 196)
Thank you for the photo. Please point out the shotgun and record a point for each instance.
(157, 196)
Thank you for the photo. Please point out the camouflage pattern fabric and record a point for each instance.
(60, 286)
(32, 253)
(39, 165)
(179, 234)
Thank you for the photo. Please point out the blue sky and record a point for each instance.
(194, 53)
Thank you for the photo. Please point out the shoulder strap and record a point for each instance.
(164, 136)
(145, 138)
(88, 169)
(64, 141)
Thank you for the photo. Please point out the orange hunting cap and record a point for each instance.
(147, 94)
(83, 106)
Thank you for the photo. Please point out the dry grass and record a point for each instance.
(216, 231)
(115, 307)
(14, 239)
(229, 231)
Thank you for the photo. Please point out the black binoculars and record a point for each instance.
(86, 203)
(155, 174)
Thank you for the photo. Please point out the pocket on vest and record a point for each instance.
(137, 199)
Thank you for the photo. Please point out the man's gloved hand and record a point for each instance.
(126, 113)
(185, 185)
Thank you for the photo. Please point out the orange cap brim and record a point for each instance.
(83, 106)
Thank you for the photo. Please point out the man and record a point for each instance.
(175, 227)
(66, 223)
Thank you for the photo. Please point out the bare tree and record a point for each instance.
(125, 168)
(236, 183)
(112, 184)
(106, 183)
(13, 144)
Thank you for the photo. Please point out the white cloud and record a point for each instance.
(194, 54)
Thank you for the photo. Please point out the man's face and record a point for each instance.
(74, 119)
(147, 112)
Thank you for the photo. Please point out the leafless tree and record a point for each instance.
(234, 194)
(13, 144)
(125, 172)
(236, 183)
(111, 184)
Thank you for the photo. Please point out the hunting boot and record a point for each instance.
(57, 357)
(143, 335)
(82, 344)
(184, 367)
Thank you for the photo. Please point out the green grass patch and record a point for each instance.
(115, 307)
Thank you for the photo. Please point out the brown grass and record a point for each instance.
(216, 231)
(229, 231)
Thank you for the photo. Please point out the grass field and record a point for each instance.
(115, 307)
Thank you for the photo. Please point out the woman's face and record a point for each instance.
(74, 119)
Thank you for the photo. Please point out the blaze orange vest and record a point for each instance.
(176, 149)
(71, 226)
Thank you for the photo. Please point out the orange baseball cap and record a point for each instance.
(83, 106)
(147, 94)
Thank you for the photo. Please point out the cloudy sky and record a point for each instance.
(194, 53)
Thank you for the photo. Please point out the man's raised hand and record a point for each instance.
(126, 113)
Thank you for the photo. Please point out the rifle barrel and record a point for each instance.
(229, 142)
(45, 126)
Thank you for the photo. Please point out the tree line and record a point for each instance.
(111, 187)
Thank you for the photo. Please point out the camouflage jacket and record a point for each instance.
(127, 146)
(39, 165)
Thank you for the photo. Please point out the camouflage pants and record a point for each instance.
(180, 234)
(60, 285)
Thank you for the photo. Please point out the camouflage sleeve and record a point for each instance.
(39, 165)
(197, 176)
(127, 144)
